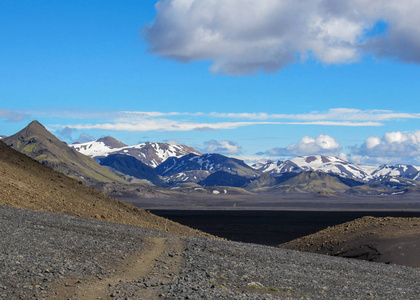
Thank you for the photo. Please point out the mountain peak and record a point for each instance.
(36, 141)
(34, 130)
(111, 142)
(35, 127)
(35, 123)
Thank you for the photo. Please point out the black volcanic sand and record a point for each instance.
(268, 227)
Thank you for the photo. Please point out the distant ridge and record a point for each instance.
(326, 164)
(128, 165)
(208, 162)
(338, 167)
(37, 142)
(309, 182)
(404, 171)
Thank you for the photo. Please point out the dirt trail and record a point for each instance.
(134, 268)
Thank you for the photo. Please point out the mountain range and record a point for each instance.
(206, 162)
(326, 164)
(151, 154)
(161, 164)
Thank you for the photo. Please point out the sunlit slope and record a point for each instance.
(38, 143)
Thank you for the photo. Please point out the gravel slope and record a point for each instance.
(387, 240)
(42, 254)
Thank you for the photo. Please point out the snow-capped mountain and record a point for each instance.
(326, 164)
(208, 162)
(403, 171)
(152, 154)
(102, 147)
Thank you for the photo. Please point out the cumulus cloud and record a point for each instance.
(393, 147)
(247, 36)
(223, 147)
(322, 144)
(12, 115)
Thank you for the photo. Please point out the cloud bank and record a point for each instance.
(223, 147)
(12, 115)
(392, 147)
(198, 121)
(322, 144)
(333, 114)
(247, 36)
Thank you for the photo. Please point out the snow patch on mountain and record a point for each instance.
(93, 149)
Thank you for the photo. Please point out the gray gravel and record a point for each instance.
(38, 249)
(227, 270)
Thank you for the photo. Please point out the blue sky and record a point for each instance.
(273, 78)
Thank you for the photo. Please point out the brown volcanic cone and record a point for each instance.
(25, 183)
(386, 240)
(37, 142)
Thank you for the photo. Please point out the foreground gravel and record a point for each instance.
(226, 270)
(38, 249)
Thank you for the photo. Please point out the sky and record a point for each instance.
(253, 79)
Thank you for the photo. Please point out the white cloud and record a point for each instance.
(13, 115)
(392, 147)
(186, 121)
(336, 123)
(154, 114)
(166, 125)
(247, 36)
(223, 147)
(372, 142)
(323, 144)
(333, 114)
(174, 125)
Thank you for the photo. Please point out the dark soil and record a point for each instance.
(267, 227)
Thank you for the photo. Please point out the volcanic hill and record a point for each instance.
(36, 141)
